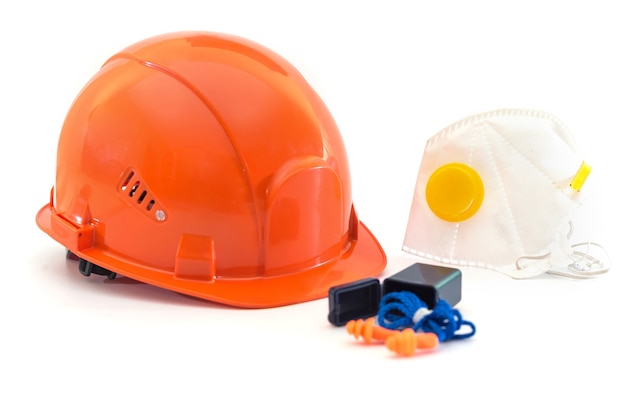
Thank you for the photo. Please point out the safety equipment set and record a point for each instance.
(204, 163)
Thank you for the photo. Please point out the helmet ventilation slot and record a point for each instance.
(127, 180)
(142, 196)
(134, 190)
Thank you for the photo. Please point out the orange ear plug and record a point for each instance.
(407, 341)
(368, 331)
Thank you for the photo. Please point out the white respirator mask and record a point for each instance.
(496, 190)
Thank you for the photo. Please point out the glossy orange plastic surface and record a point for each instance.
(205, 164)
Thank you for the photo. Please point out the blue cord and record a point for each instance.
(399, 310)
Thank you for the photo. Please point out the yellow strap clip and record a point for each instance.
(580, 177)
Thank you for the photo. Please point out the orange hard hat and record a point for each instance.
(205, 164)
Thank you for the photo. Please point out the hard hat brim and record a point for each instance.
(364, 258)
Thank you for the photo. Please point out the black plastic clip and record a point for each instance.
(88, 268)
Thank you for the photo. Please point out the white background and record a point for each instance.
(393, 74)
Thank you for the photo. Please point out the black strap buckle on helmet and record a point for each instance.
(87, 268)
